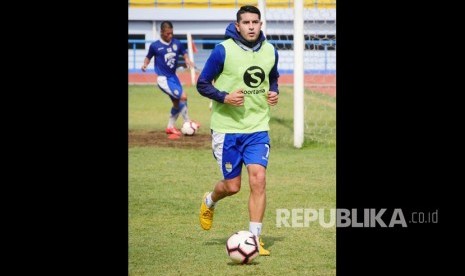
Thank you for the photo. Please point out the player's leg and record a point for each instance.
(174, 90)
(230, 161)
(225, 187)
(257, 199)
(174, 114)
(222, 189)
(256, 152)
(183, 107)
(257, 202)
(176, 86)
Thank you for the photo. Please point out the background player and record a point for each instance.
(166, 51)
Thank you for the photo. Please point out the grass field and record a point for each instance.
(166, 186)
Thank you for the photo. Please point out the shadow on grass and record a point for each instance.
(239, 264)
(221, 241)
(268, 240)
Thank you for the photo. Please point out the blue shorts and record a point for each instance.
(171, 86)
(231, 150)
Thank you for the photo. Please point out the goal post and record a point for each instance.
(298, 73)
(190, 52)
(262, 8)
(304, 34)
(298, 67)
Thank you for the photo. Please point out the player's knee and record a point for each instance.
(183, 97)
(175, 103)
(257, 181)
(257, 187)
(232, 186)
(232, 189)
(257, 175)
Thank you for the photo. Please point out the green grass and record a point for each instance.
(167, 184)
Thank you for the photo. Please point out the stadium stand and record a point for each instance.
(320, 4)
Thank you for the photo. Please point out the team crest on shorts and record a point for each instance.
(228, 167)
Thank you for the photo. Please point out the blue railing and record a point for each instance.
(325, 43)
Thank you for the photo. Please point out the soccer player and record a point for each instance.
(245, 75)
(166, 51)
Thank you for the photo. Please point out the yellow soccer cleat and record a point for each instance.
(206, 214)
(262, 251)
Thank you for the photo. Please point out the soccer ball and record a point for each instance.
(189, 128)
(242, 247)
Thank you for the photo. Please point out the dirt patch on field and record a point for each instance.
(160, 139)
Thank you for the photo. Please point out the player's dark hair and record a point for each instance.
(166, 24)
(247, 8)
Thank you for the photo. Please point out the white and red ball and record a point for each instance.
(189, 128)
(242, 247)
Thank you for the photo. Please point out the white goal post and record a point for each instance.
(298, 73)
(298, 67)
(304, 33)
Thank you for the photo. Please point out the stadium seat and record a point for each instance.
(320, 4)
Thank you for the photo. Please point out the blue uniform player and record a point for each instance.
(166, 52)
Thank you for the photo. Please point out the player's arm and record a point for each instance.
(189, 63)
(274, 74)
(146, 63)
(185, 55)
(147, 58)
(273, 77)
(213, 67)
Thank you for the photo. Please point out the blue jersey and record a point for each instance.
(166, 56)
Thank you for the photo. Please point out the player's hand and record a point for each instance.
(190, 65)
(272, 98)
(143, 68)
(235, 98)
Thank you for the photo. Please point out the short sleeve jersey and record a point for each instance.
(166, 56)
